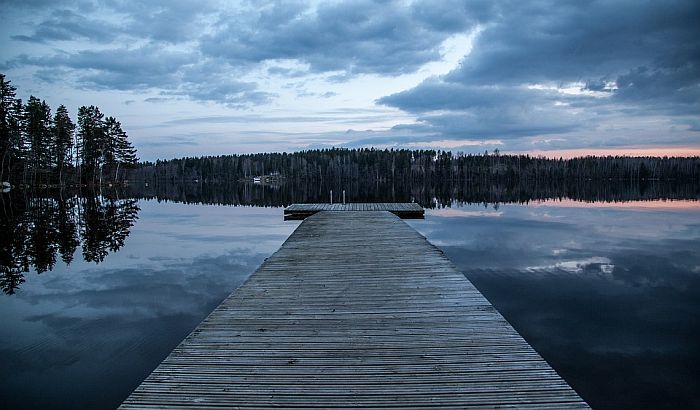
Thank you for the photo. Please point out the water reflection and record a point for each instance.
(85, 335)
(429, 193)
(42, 227)
(608, 294)
(38, 229)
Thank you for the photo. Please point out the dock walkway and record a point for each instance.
(356, 309)
(402, 210)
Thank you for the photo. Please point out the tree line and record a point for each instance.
(38, 148)
(409, 166)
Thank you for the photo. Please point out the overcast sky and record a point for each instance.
(220, 77)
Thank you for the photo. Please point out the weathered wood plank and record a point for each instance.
(402, 210)
(356, 309)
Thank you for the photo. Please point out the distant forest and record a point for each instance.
(37, 148)
(410, 166)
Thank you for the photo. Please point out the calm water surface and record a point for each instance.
(85, 335)
(608, 294)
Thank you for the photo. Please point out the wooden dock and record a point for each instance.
(402, 210)
(356, 309)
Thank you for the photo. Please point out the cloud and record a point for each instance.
(470, 111)
(534, 75)
(102, 22)
(166, 21)
(554, 68)
(350, 36)
(173, 72)
(66, 25)
(574, 41)
(121, 68)
(232, 93)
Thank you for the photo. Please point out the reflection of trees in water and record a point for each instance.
(429, 193)
(106, 225)
(36, 230)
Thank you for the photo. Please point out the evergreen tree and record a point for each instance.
(121, 151)
(92, 142)
(43, 147)
(7, 99)
(37, 127)
(63, 129)
(17, 146)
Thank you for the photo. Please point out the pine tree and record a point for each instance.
(37, 126)
(18, 145)
(124, 153)
(63, 129)
(7, 99)
(92, 142)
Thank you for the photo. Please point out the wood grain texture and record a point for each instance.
(356, 309)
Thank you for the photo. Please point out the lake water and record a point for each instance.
(608, 293)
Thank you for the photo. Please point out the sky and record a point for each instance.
(551, 77)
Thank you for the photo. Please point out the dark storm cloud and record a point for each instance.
(644, 56)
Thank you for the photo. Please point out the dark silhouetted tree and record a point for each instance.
(119, 151)
(91, 141)
(63, 129)
(37, 128)
(7, 101)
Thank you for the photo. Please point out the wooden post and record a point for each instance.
(331, 197)
(343, 197)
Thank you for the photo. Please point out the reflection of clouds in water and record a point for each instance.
(608, 296)
(545, 215)
(176, 287)
(592, 265)
(458, 212)
(81, 327)
(113, 326)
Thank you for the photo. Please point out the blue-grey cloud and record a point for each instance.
(166, 21)
(457, 110)
(573, 41)
(66, 25)
(640, 60)
(158, 20)
(120, 68)
(349, 36)
(628, 59)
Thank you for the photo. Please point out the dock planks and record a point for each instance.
(356, 309)
(402, 210)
